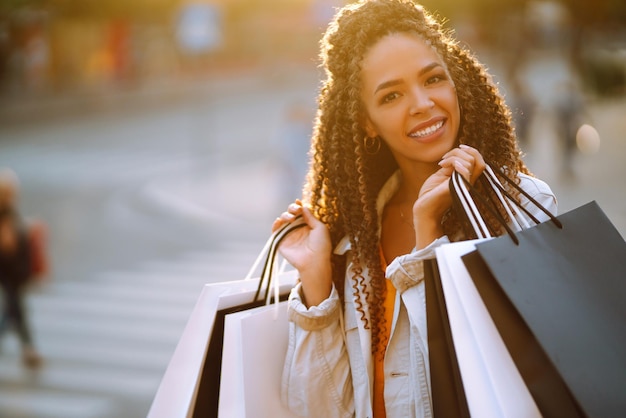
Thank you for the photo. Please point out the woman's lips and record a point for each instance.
(427, 131)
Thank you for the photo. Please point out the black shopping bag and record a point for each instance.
(558, 299)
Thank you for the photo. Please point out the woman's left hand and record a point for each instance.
(434, 197)
(466, 160)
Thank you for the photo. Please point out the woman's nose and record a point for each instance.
(420, 101)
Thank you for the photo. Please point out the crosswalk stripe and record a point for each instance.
(52, 404)
(86, 378)
(146, 356)
(122, 290)
(59, 309)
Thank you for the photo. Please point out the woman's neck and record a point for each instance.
(413, 178)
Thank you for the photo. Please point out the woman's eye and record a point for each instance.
(389, 97)
(435, 79)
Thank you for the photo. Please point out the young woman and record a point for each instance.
(402, 107)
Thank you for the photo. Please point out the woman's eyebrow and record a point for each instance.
(421, 72)
(428, 68)
(387, 84)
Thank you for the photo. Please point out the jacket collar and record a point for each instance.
(390, 187)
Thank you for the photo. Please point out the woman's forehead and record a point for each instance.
(392, 54)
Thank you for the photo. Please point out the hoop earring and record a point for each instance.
(371, 145)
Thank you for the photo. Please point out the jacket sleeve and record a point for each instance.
(541, 192)
(316, 377)
(407, 270)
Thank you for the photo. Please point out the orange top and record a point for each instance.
(379, 365)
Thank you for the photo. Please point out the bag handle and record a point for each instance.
(463, 197)
(538, 205)
(269, 255)
(262, 257)
(504, 198)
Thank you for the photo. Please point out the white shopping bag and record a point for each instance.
(255, 345)
(178, 390)
(492, 383)
(196, 363)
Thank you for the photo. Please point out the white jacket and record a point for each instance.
(329, 370)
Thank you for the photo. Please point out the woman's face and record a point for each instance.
(410, 99)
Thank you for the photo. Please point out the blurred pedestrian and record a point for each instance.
(15, 268)
(522, 108)
(569, 111)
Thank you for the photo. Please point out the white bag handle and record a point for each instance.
(519, 222)
(460, 190)
(461, 193)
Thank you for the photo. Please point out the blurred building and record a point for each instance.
(59, 44)
(593, 34)
(54, 45)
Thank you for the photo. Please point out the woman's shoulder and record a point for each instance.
(538, 190)
(534, 185)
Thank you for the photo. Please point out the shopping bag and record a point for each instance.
(448, 394)
(556, 294)
(37, 237)
(558, 299)
(190, 386)
(492, 384)
(210, 389)
(255, 345)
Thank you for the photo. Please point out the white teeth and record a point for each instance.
(427, 131)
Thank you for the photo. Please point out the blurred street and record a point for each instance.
(147, 203)
(155, 183)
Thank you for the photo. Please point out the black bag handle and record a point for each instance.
(513, 183)
(461, 191)
(267, 273)
(491, 206)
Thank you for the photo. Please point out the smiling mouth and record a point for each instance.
(427, 131)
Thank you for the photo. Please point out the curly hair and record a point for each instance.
(344, 180)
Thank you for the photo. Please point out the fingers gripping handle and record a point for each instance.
(268, 257)
(463, 195)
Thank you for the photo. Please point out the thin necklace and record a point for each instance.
(404, 220)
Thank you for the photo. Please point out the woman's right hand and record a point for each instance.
(308, 249)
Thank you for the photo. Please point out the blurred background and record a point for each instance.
(158, 139)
